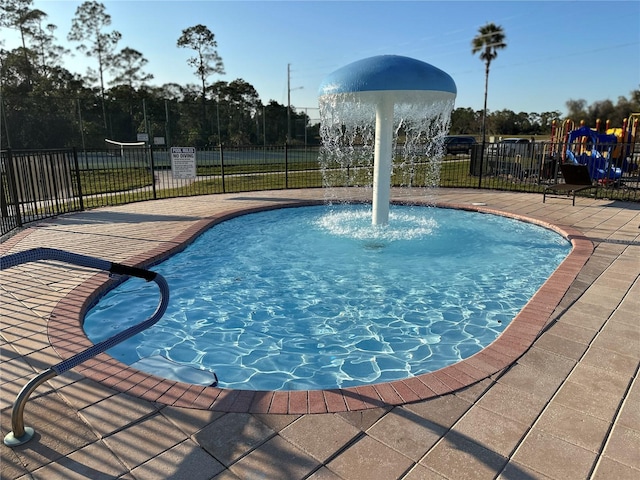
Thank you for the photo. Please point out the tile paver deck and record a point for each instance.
(567, 407)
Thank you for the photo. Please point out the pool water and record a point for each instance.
(317, 298)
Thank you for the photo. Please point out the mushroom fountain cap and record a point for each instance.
(404, 79)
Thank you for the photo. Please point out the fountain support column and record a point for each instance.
(383, 161)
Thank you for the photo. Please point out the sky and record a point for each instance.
(556, 50)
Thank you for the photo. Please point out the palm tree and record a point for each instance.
(489, 40)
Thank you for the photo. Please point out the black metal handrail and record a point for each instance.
(21, 434)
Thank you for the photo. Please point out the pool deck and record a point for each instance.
(556, 397)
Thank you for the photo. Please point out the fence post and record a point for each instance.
(286, 165)
(76, 166)
(153, 172)
(481, 163)
(13, 188)
(224, 190)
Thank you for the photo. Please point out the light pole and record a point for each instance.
(289, 102)
(218, 119)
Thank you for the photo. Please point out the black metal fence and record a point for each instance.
(46, 183)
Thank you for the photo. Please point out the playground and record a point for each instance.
(612, 154)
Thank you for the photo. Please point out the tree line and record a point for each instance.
(466, 121)
(44, 105)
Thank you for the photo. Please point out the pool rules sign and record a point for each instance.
(183, 162)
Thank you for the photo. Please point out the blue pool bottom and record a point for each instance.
(315, 297)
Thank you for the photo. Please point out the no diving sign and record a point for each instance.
(183, 162)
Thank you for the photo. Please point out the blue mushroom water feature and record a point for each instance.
(398, 92)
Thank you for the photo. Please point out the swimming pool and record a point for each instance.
(317, 298)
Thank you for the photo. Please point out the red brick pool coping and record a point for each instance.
(68, 338)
